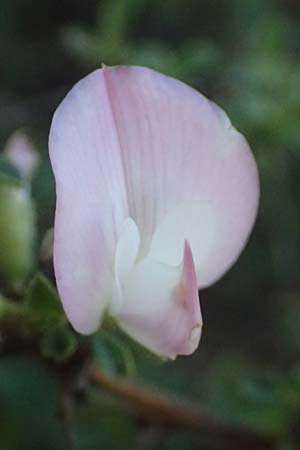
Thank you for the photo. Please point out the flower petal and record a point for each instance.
(91, 200)
(126, 254)
(161, 307)
(181, 153)
(129, 142)
(191, 221)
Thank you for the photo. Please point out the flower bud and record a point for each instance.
(17, 233)
(20, 151)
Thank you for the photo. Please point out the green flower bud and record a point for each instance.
(17, 233)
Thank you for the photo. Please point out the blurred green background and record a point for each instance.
(245, 55)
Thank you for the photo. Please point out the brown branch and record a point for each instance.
(66, 414)
(161, 411)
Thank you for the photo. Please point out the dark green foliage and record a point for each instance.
(58, 342)
(43, 302)
(113, 355)
(28, 407)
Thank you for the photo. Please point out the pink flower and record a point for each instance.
(20, 151)
(156, 196)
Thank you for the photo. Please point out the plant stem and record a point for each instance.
(161, 411)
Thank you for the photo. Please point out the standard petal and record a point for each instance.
(181, 155)
(91, 200)
(129, 142)
(161, 308)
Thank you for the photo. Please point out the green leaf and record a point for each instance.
(9, 309)
(58, 342)
(103, 356)
(43, 302)
(113, 355)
